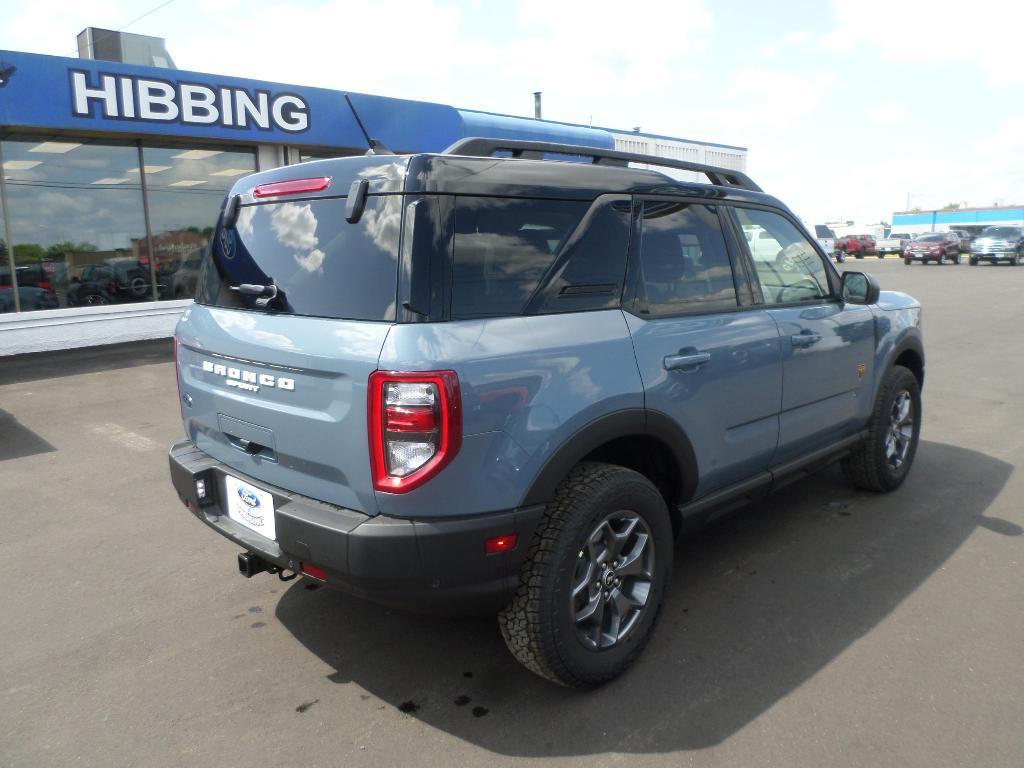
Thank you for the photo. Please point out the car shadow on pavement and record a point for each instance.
(757, 605)
(17, 440)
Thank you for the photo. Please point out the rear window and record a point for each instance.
(321, 265)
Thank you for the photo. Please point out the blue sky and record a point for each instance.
(846, 106)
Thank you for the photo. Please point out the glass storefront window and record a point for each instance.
(76, 222)
(185, 187)
(7, 303)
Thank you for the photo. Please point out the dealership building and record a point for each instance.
(970, 220)
(114, 172)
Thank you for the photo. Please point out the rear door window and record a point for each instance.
(321, 265)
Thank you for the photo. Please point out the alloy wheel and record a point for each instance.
(901, 430)
(612, 581)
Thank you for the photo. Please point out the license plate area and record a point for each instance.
(250, 506)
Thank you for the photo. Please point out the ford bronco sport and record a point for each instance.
(467, 382)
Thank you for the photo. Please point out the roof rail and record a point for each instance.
(535, 150)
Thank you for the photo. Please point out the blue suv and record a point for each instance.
(506, 377)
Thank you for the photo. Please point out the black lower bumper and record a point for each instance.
(427, 564)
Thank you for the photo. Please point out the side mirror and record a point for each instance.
(859, 288)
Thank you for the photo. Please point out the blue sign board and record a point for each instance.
(100, 96)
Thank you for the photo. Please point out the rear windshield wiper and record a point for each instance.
(264, 293)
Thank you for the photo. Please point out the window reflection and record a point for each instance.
(76, 216)
(77, 225)
(185, 189)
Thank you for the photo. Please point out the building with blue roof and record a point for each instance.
(114, 173)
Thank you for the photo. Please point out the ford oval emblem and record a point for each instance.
(248, 498)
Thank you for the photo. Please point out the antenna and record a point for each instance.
(375, 147)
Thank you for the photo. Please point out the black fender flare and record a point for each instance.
(909, 343)
(626, 423)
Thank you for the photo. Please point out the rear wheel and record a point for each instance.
(882, 462)
(593, 582)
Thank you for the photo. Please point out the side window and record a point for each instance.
(684, 261)
(503, 249)
(788, 268)
(587, 273)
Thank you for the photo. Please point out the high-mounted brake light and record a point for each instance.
(415, 426)
(294, 187)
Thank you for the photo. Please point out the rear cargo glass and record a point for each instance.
(503, 247)
(322, 265)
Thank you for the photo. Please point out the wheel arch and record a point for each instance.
(646, 441)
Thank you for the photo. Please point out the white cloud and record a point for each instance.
(986, 32)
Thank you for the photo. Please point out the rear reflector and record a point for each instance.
(315, 571)
(498, 544)
(294, 187)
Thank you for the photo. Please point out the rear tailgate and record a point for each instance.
(302, 409)
(294, 303)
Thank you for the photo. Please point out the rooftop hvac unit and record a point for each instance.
(125, 47)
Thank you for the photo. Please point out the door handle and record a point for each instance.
(690, 361)
(805, 338)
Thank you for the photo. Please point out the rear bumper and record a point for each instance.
(433, 565)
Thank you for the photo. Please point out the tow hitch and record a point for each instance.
(249, 564)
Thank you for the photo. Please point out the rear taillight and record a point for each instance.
(415, 426)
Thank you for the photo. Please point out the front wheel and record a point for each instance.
(971, 261)
(593, 582)
(908, 262)
(882, 462)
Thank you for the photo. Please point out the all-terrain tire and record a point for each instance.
(538, 624)
(868, 466)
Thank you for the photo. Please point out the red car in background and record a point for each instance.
(857, 246)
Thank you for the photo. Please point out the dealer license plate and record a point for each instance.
(251, 507)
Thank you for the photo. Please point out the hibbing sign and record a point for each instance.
(100, 96)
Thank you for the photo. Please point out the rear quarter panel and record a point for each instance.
(527, 383)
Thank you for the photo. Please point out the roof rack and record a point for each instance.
(535, 150)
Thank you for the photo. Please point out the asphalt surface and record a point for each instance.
(824, 627)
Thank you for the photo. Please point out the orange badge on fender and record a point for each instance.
(860, 370)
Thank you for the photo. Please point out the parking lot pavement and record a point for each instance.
(824, 627)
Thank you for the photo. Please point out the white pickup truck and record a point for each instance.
(827, 239)
(894, 243)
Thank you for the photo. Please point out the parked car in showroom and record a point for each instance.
(857, 246)
(940, 247)
(113, 281)
(29, 297)
(996, 244)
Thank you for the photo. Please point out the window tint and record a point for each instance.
(684, 262)
(788, 268)
(322, 265)
(503, 248)
(587, 274)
